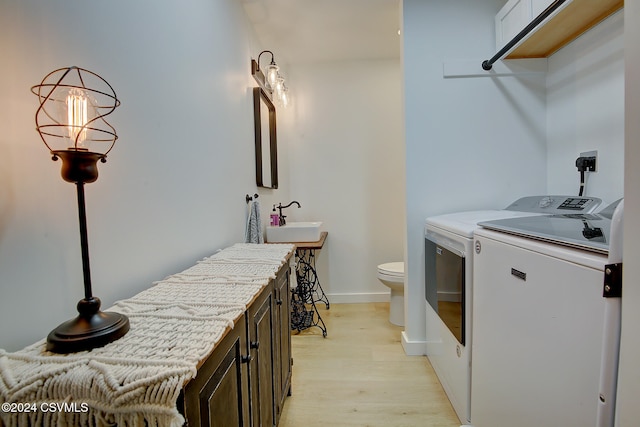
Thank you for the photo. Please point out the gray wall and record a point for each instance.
(347, 169)
(173, 189)
(585, 111)
(471, 142)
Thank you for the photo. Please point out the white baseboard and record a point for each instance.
(413, 348)
(355, 298)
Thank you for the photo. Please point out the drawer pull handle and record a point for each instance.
(279, 302)
(245, 359)
(519, 274)
(254, 344)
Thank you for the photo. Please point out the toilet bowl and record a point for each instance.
(392, 275)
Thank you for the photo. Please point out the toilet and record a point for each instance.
(392, 275)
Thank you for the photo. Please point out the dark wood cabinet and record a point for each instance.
(283, 361)
(261, 367)
(219, 395)
(246, 379)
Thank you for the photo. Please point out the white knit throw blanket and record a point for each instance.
(136, 380)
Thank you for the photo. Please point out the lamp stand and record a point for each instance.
(91, 328)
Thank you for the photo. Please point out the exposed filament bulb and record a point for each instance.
(77, 117)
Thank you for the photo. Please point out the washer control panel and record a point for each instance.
(574, 204)
(555, 204)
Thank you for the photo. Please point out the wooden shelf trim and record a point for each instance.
(576, 18)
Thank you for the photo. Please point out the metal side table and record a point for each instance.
(309, 292)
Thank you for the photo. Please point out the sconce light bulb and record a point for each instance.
(284, 98)
(272, 75)
(278, 89)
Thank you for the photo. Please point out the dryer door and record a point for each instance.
(444, 285)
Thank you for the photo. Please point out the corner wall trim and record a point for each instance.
(413, 348)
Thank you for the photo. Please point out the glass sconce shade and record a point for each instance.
(281, 93)
(278, 89)
(73, 106)
(270, 80)
(272, 75)
(284, 98)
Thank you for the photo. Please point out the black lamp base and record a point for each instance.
(92, 328)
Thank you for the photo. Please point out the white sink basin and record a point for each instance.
(293, 232)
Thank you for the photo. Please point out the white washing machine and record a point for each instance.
(538, 313)
(449, 287)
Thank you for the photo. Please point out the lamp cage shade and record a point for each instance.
(73, 105)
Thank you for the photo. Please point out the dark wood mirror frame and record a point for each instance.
(260, 100)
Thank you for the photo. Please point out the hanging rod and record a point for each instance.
(487, 64)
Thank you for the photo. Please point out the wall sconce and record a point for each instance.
(70, 121)
(271, 80)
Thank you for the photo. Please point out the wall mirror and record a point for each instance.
(264, 116)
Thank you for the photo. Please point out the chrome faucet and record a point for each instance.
(280, 207)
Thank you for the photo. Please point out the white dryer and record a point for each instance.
(449, 287)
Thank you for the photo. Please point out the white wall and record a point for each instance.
(174, 187)
(346, 162)
(471, 143)
(628, 412)
(585, 111)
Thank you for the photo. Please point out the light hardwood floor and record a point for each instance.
(360, 376)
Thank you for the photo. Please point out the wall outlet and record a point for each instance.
(594, 154)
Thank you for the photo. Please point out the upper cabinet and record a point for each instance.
(571, 19)
(514, 16)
